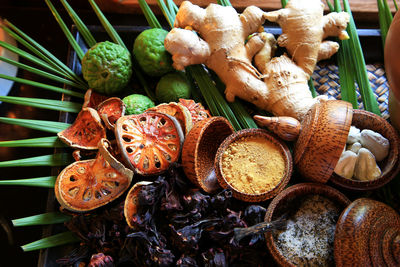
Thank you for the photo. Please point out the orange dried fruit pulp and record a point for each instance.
(110, 111)
(86, 185)
(149, 142)
(197, 111)
(85, 132)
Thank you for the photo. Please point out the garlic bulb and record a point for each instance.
(376, 143)
(366, 168)
(346, 164)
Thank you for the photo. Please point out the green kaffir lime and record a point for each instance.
(107, 67)
(150, 52)
(137, 104)
(173, 86)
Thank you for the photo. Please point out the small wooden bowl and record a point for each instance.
(282, 202)
(200, 148)
(366, 120)
(285, 152)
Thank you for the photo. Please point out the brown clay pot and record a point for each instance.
(267, 194)
(367, 234)
(366, 120)
(282, 202)
(200, 148)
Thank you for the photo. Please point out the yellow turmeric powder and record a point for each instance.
(253, 165)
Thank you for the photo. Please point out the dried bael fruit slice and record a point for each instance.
(93, 99)
(85, 132)
(132, 204)
(197, 111)
(89, 184)
(149, 142)
(178, 111)
(110, 111)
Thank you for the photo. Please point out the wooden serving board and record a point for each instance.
(363, 10)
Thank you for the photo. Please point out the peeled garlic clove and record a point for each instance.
(346, 164)
(354, 135)
(366, 168)
(376, 143)
(355, 147)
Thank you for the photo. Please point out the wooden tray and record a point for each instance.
(370, 40)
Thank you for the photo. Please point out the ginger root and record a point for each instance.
(216, 36)
(304, 28)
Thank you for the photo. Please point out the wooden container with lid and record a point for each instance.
(321, 138)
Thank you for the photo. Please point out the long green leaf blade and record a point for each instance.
(368, 98)
(41, 125)
(52, 241)
(47, 56)
(42, 85)
(149, 15)
(50, 141)
(167, 14)
(79, 24)
(107, 25)
(59, 159)
(42, 219)
(64, 28)
(42, 73)
(47, 182)
(43, 103)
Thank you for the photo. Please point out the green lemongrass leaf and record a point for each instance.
(52, 241)
(142, 80)
(214, 99)
(311, 87)
(46, 126)
(87, 36)
(30, 57)
(42, 219)
(388, 13)
(167, 14)
(47, 56)
(284, 3)
(382, 22)
(224, 2)
(47, 182)
(346, 67)
(42, 85)
(59, 159)
(41, 73)
(50, 141)
(43, 103)
(368, 98)
(173, 8)
(244, 118)
(331, 8)
(149, 15)
(395, 5)
(64, 28)
(107, 25)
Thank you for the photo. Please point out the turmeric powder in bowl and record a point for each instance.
(254, 164)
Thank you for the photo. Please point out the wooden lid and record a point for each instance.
(367, 234)
(324, 133)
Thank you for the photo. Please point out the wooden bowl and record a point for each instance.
(283, 149)
(286, 198)
(366, 120)
(200, 148)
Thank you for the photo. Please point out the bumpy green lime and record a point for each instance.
(137, 104)
(107, 67)
(172, 86)
(150, 52)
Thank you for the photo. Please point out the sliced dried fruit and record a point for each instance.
(178, 111)
(197, 111)
(110, 111)
(149, 142)
(89, 184)
(132, 202)
(85, 132)
(93, 99)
